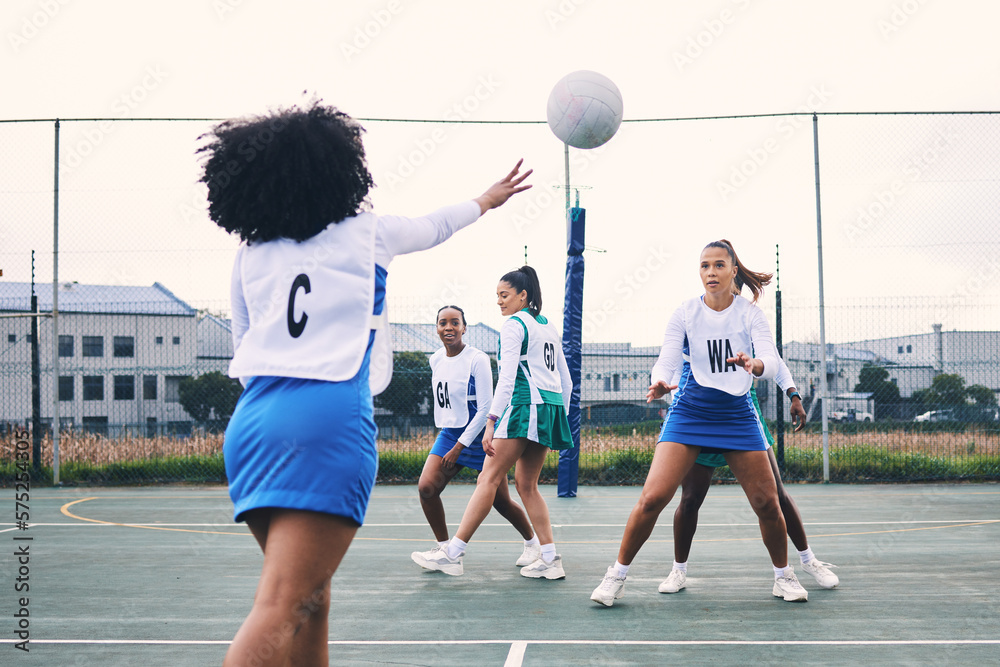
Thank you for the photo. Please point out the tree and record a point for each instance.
(982, 396)
(211, 396)
(875, 379)
(411, 384)
(949, 389)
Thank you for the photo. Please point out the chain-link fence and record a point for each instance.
(904, 330)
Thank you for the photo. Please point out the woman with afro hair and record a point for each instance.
(308, 294)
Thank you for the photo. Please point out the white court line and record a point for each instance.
(515, 644)
(516, 654)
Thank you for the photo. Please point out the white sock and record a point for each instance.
(807, 555)
(549, 552)
(533, 542)
(782, 571)
(683, 567)
(456, 547)
(622, 569)
(443, 544)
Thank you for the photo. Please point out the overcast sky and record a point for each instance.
(130, 211)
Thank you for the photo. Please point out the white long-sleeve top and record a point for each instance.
(706, 338)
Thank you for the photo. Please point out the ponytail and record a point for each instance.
(744, 276)
(526, 280)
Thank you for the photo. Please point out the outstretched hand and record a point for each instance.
(659, 390)
(746, 362)
(498, 193)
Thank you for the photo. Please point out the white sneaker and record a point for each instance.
(674, 582)
(540, 569)
(437, 559)
(529, 555)
(788, 587)
(612, 588)
(821, 572)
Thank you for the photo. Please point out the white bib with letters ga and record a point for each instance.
(714, 337)
(450, 382)
(541, 371)
(310, 306)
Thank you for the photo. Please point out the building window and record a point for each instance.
(151, 430)
(149, 387)
(177, 340)
(172, 388)
(617, 382)
(124, 346)
(893, 380)
(98, 425)
(11, 338)
(65, 346)
(899, 350)
(124, 388)
(93, 387)
(909, 348)
(607, 383)
(93, 346)
(29, 338)
(159, 340)
(65, 387)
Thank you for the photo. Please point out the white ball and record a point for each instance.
(584, 109)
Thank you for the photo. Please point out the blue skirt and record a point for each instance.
(707, 417)
(472, 456)
(302, 444)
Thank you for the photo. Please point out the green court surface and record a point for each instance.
(161, 576)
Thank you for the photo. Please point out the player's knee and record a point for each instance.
(688, 507)
(652, 503)
(428, 489)
(766, 506)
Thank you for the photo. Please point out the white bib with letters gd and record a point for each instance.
(450, 384)
(541, 371)
(714, 337)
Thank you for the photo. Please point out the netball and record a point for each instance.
(584, 109)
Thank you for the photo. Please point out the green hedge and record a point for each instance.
(852, 464)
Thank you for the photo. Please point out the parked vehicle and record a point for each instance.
(851, 415)
(936, 416)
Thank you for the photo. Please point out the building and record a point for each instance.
(122, 352)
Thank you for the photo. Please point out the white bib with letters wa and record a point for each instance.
(714, 337)
(309, 303)
(450, 382)
(541, 371)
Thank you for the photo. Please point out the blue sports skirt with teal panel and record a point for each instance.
(302, 444)
(707, 417)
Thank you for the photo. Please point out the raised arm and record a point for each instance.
(398, 235)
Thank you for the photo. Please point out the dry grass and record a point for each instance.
(97, 450)
(935, 444)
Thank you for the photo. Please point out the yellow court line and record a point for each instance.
(65, 510)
